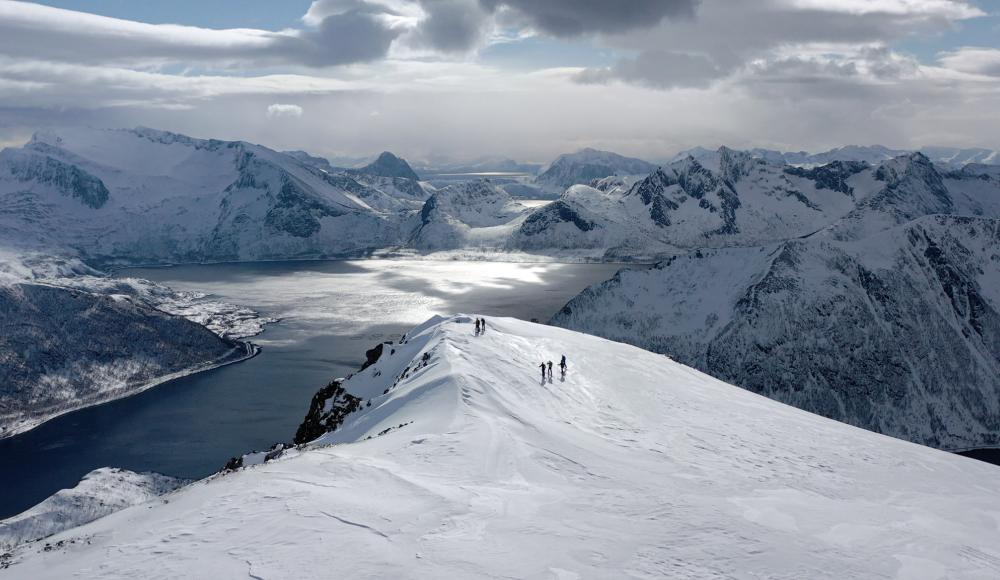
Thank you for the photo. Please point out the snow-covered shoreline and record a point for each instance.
(247, 351)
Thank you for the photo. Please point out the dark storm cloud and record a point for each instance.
(566, 18)
(451, 25)
(357, 35)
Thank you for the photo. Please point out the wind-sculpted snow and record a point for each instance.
(461, 462)
(99, 493)
(898, 332)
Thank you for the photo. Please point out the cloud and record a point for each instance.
(283, 110)
(358, 32)
(979, 61)
(776, 73)
(726, 37)
(451, 25)
(568, 18)
(657, 69)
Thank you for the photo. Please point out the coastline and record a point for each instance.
(243, 351)
(403, 255)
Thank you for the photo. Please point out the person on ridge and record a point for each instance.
(482, 324)
(562, 364)
(542, 366)
(477, 327)
(550, 370)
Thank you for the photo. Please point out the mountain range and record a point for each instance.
(105, 197)
(888, 317)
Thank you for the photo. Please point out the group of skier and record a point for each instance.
(545, 366)
(547, 369)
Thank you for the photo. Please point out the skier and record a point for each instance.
(542, 366)
(562, 365)
(550, 370)
(482, 323)
(477, 327)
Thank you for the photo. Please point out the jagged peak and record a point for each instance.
(910, 164)
(734, 164)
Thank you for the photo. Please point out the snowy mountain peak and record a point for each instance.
(388, 165)
(587, 165)
(913, 179)
(734, 165)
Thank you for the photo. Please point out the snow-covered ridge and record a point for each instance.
(946, 157)
(460, 461)
(145, 196)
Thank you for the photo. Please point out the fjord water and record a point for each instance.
(329, 312)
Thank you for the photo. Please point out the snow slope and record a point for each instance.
(898, 332)
(99, 493)
(473, 214)
(465, 465)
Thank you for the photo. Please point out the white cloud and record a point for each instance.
(950, 9)
(283, 110)
(980, 61)
(780, 73)
(363, 32)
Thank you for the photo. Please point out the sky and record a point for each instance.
(436, 80)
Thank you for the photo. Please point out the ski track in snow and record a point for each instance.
(634, 466)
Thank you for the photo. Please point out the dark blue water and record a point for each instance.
(330, 312)
(989, 455)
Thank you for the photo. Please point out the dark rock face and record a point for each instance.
(832, 176)
(70, 180)
(327, 411)
(388, 165)
(428, 209)
(552, 214)
(373, 354)
(652, 186)
(696, 180)
(295, 212)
